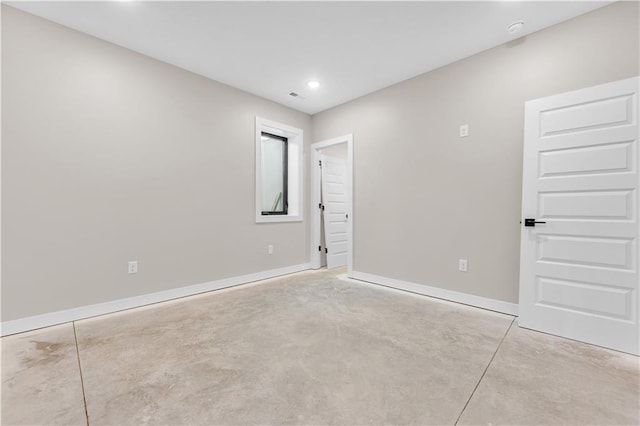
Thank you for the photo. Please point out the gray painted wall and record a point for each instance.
(424, 197)
(339, 151)
(110, 156)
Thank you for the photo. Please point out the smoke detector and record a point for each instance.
(515, 27)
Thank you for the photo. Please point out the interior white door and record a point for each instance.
(579, 267)
(334, 200)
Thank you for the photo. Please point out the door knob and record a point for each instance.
(531, 222)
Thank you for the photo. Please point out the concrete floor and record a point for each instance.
(311, 348)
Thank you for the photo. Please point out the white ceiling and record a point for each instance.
(273, 48)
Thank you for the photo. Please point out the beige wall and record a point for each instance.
(425, 198)
(110, 156)
(339, 151)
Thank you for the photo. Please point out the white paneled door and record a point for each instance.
(579, 260)
(334, 200)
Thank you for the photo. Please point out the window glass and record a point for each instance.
(274, 174)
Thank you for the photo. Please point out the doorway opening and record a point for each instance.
(332, 214)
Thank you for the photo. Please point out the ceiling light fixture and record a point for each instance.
(313, 84)
(515, 27)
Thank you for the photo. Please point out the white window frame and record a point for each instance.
(294, 170)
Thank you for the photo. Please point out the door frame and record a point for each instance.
(315, 199)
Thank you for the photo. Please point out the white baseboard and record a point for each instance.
(440, 293)
(59, 317)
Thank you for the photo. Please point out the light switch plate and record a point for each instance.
(464, 130)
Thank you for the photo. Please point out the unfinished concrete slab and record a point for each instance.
(304, 349)
(41, 379)
(539, 379)
(312, 348)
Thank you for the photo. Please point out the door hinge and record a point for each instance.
(319, 248)
(325, 250)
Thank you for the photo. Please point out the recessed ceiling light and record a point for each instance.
(515, 27)
(313, 84)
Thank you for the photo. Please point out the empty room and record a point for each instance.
(320, 213)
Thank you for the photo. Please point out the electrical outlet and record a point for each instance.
(270, 249)
(133, 267)
(462, 265)
(464, 130)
